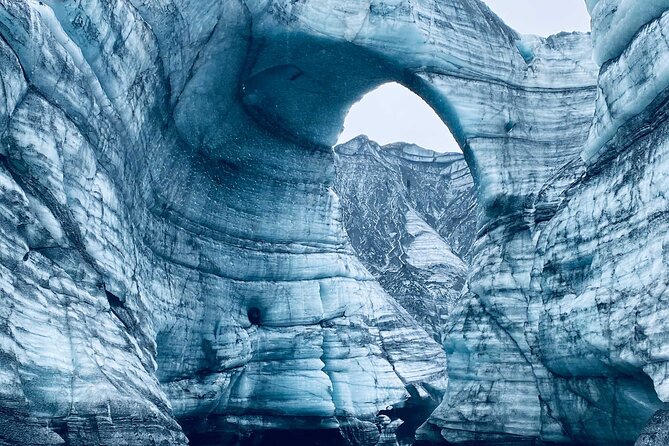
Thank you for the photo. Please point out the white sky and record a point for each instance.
(542, 17)
(391, 113)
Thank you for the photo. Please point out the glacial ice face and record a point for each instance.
(410, 214)
(615, 22)
(182, 275)
(616, 257)
(570, 302)
(168, 221)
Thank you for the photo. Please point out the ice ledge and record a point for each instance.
(615, 22)
(628, 85)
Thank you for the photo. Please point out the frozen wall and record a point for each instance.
(172, 250)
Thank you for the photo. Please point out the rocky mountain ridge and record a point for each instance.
(410, 214)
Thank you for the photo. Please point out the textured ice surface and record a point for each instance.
(169, 224)
(615, 22)
(566, 299)
(164, 256)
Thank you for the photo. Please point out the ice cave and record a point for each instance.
(188, 257)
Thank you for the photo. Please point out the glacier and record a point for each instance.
(181, 262)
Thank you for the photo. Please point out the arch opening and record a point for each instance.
(391, 113)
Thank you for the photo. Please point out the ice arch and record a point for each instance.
(176, 155)
(488, 84)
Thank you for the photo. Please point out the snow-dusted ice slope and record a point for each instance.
(410, 214)
(173, 259)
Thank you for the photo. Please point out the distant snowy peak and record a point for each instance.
(409, 151)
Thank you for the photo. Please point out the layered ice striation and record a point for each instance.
(566, 299)
(170, 262)
(174, 260)
(410, 214)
